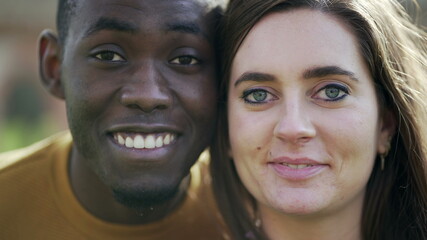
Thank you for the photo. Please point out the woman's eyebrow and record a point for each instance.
(315, 72)
(254, 76)
(318, 72)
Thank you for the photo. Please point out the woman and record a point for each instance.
(324, 105)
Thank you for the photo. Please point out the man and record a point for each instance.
(139, 82)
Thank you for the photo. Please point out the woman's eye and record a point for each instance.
(257, 96)
(332, 92)
(185, 60)
(109, 56)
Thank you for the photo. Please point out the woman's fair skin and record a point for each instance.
(305, 125)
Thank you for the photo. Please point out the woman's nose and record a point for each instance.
(295, 124)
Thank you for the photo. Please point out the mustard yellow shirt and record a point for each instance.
(37, 202)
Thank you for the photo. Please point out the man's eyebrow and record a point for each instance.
(186, 27)
(105, 23)
(254, 76)
(318, 72)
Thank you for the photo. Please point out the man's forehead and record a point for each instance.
(113, 24)
(206, 5)
(145, 10)
(137, 16)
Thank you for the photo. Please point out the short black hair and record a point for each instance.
(66, 9)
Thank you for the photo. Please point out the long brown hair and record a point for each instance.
(395, 50)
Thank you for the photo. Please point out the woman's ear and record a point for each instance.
(50, 63)
(388, 124)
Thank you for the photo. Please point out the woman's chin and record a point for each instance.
(305, 203)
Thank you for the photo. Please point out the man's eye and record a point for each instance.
(185, 60)
(109, 56)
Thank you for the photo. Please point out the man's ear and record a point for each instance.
(50, 63)
(388, 125)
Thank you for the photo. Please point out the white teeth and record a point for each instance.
(138, 142)
(121, 140)
(297, 166)
(159, 142)
(149, 142)
(292, 166)
(141, 141)
(167, 139)
(129, 142)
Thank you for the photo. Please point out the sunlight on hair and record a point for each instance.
(214, 3)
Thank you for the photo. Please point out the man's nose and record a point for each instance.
(147, 90)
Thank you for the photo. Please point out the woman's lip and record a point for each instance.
(295, 161)
(297, 170)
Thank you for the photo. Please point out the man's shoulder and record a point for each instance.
(30, 201)
(35, 153)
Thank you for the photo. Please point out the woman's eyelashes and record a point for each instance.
(257, 96)
(332, 92)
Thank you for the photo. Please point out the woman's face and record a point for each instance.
(303, 115)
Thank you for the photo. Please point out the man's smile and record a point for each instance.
(136, 140)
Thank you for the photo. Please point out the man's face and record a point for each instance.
(140, 90)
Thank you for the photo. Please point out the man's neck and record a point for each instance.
(98, 199)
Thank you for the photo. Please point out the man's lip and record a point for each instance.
(139, 152)
(144, 129)
(143, 137)
(144, 141)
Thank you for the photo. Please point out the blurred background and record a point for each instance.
(27, 112)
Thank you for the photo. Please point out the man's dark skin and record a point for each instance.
(132, 70)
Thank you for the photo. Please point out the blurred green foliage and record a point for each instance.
(17, 133)
(27, 117)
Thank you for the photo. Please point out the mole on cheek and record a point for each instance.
(258, 148)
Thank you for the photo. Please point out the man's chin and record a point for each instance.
(145, 199)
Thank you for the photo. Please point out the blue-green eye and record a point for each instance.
(109, 56)
(257, 96)
(332, 92)
(185, 60)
